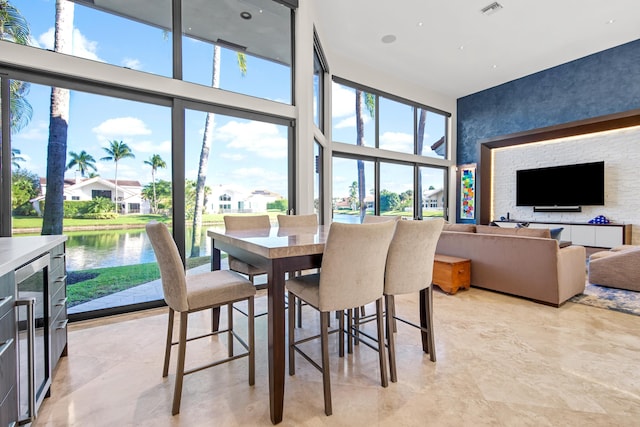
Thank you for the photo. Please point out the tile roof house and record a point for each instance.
(129, 193)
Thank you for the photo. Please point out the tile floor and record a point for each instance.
(502, 361)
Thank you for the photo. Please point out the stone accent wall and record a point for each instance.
(620, 151)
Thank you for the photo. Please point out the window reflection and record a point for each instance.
(243, 47)
(432, 137)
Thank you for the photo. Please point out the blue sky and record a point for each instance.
(248, 155)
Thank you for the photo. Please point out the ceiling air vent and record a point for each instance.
(491, 9)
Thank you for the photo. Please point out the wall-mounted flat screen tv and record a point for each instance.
(567, 185)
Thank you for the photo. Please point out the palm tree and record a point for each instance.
(368, 100)
(117, 151)
(58, 125)
(155, 162)
(204, 152)
(15, 28)
(15, 158)
(84, 161)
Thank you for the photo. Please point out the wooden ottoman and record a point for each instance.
(451, 273)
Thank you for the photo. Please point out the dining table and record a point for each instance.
(276, 251)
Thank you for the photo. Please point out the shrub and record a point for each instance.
(100, 205)
(99, 215)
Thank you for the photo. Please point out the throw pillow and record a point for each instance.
(555, 233)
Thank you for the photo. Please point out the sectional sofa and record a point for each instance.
(523, 262)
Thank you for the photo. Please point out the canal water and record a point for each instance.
(111, 248)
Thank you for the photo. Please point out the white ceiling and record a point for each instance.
(458, 50)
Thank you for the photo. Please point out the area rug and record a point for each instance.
(609, 298)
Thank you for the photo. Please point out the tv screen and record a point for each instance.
(568, 185)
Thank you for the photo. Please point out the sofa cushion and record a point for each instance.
(525, 232)
(460, 228)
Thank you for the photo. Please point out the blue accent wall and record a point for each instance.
(603, 83)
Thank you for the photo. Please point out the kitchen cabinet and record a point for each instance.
(33, 322)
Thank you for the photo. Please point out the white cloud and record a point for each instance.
(151, 147)
(343, 106)
(397, 141)
(120, 127)
(81, 46)
(260, 138)
(231, 156)
(350, 122)
(257, 178)
(343, 101)
(38, 131)
(132, 63)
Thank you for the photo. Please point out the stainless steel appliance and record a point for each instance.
(33, 330)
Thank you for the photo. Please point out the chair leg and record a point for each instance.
(324, 341)
(431, 339)
(350, 326)
(167, 350)
(252, 342)
(340, 334)
(230, 328)
(299, 314)
(391, 308)
(381, 353)
(292, 338)
(391, 338)
(182, 346)
(357, 312)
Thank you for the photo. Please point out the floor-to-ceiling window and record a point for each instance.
(125, 141)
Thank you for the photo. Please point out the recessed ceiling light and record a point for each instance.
(494, 66)
(245, 15)
(491, 9)
(420, 24)
(389, 38)
(611, 21)
(461, 47)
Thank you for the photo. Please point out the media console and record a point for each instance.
(584, 234)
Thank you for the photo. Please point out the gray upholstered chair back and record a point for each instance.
(246, 222)
(295, 221)
(353, 264)
(410, 259)
(174, 284)
(372, 219)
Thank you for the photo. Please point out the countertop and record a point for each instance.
(15, 251)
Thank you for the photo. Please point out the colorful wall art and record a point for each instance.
(468, 192)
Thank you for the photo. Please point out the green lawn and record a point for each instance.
(126, 221)
(87, 285)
